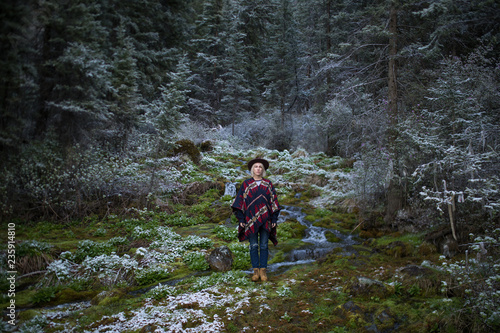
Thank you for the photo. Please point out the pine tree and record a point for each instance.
(282, 63)
(166, 113)
(235, 90)
(74, 72)
(209, 52)
(256, 17)
(123, 99)
(18, 87)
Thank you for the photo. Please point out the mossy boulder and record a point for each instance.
(206, 146)
(187, 147)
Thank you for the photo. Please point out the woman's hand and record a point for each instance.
(273, 225)
(242, 224)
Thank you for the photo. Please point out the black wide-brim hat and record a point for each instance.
(258, 160)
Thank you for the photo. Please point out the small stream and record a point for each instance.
(316, 237)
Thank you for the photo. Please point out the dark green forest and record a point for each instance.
(416, 81)
(119, 108)
(406, 86)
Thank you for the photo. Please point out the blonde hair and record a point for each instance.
(263, 170)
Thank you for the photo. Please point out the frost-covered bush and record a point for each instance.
(193, 130)
(158, 233)
(224, 169)
(46, 175)
(117, 241)
(35, 325)
(170, 246)
(161, 291)
(63, 270)
(148, 275)
(100, 232)
(163, 255)
(89, 248)
(284, 291)
(109, 270)
(476, 279)
(193, 241)
(449, 142)
(226, 233)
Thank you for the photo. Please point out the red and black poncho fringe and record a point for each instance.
(259, 205)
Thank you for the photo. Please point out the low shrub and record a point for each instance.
(241, 254)
(225, 233)
(161, 291)
(196, 261)
(44, 295)
(89, 248)
(149, 275)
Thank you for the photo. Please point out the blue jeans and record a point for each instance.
(259, 261)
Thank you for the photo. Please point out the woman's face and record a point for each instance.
(257, 169)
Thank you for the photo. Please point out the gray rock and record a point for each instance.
(350, 306)
(221, 259)
(230, 189)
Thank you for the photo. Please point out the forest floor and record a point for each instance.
(145, 271)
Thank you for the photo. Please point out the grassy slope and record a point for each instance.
(327, 296)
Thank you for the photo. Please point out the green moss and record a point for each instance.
(342, 263)
(311, 218)
(331, 237)
(27, 315)
(110, 300)
(23, 298)
(278, 257)
(69, 295)
(413, 239)
(290, 244)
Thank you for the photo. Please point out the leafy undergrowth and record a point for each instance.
(146, 270)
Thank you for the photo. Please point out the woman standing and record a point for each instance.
(257, 209)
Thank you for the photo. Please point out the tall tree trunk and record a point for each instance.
(45, 87)
(394, 193)
(393, 90)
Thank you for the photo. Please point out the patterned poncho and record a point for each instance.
(257, 203)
